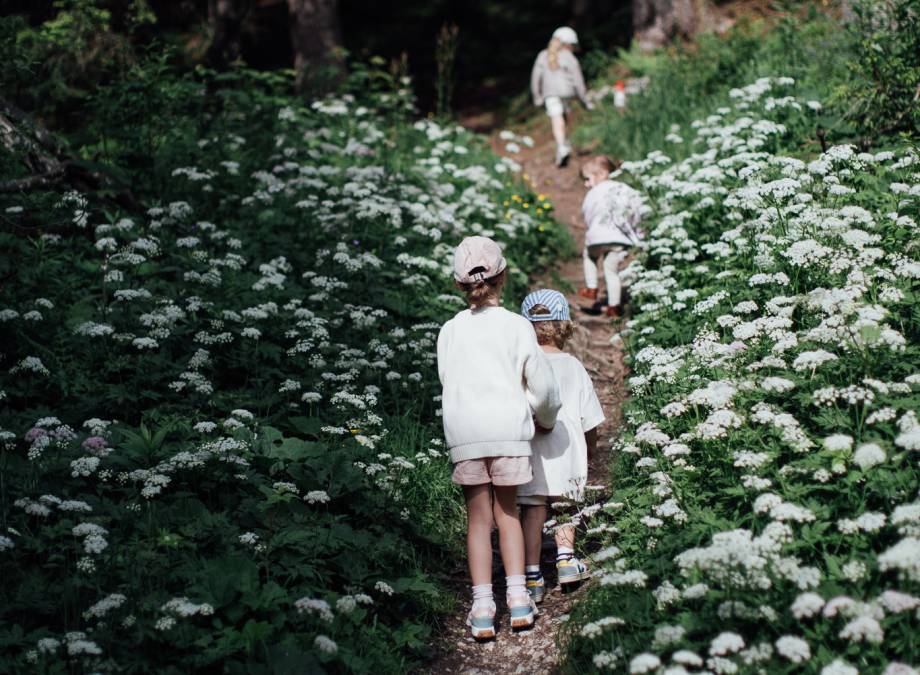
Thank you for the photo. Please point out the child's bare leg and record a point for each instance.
(558, 124)
(565, 537)
(479, 532)
(510, 534)
(534, 517)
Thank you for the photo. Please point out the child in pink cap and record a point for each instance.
(496, 383)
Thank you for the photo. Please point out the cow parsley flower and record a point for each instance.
(838, 443)
(793, 648)
(644, 663)
(316, 497)
(726, 643)
(869, 455)
(839, 667)
(325, 644)
(863, 629)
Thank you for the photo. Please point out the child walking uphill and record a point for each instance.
(556, 77)
(560, 458)
(496, 381)
(611, 212)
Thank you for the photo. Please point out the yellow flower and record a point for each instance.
(505, 203)
(526, 177)
(539, 212)
(526, 205)
(541, 197)
(355, 431)
(541, 228)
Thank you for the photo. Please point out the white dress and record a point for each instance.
(560, 458)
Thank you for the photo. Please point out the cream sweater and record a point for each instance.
(495, 378)
(565, 82)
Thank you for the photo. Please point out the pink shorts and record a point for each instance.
(495, 470)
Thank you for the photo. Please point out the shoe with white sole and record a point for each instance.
(536, 586)
(522, 611)
(481, 621)
(571, 570)
(562, 155)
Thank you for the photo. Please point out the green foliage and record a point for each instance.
(765, 504)
(218, 412)
(685, 82)
(883, 92)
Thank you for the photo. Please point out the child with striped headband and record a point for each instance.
(497, 386)
(560, 456)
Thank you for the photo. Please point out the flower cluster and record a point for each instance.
(769, 459)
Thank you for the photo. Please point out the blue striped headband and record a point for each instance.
(554, 300)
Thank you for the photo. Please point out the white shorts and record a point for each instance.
(555, 106)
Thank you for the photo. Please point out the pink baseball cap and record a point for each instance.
(477, 259)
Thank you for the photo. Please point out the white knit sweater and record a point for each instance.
(495, 378)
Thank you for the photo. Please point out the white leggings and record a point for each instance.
(612, 257)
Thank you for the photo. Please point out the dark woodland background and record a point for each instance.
(497, 39)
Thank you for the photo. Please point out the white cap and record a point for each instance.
(477, 259)
(566, 35)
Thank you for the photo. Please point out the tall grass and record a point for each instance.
(686, 82)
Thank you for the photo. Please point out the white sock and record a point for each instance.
(516, 585)
(482, 596)
(531, 568)
(563, 551)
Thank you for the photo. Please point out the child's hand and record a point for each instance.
(577, 222)
(540, 429)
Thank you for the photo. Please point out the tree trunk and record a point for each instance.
(226, 19)
(657, 22)
(316, 38)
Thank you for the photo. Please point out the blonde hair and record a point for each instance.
(479, 293)
(555, 333)
(598, 164)
(552, 53)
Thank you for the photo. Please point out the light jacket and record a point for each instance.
(565, 82)
(612, 212)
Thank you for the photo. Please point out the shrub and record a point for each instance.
(219, 440)
(883, 92)
(765, 507)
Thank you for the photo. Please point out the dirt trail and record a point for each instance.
(536, 651)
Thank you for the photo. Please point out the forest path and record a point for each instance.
(536, 651)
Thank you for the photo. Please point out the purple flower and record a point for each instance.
(33, 433)
(93, 443)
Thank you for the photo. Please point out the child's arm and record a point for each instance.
(591, 442)
(542, 389)
(536, 76)
(591, 413)
(442, 352)
(579, 81)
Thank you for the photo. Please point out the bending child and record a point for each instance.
(612, 212)
(560, 457)
(556, 77)
(496, 382)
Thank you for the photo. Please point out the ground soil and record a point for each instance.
(538, 650)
